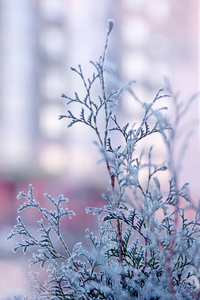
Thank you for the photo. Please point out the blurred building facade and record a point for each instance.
(161, 38)
(38, 45)
(40, 40)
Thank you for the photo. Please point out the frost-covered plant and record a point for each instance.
(146, 248)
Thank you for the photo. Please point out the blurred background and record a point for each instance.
(39, 41)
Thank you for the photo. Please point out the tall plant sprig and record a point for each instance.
(109, 103)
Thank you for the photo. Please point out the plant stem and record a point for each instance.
(119, 232)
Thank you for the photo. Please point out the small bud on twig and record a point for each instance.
(110, 26)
